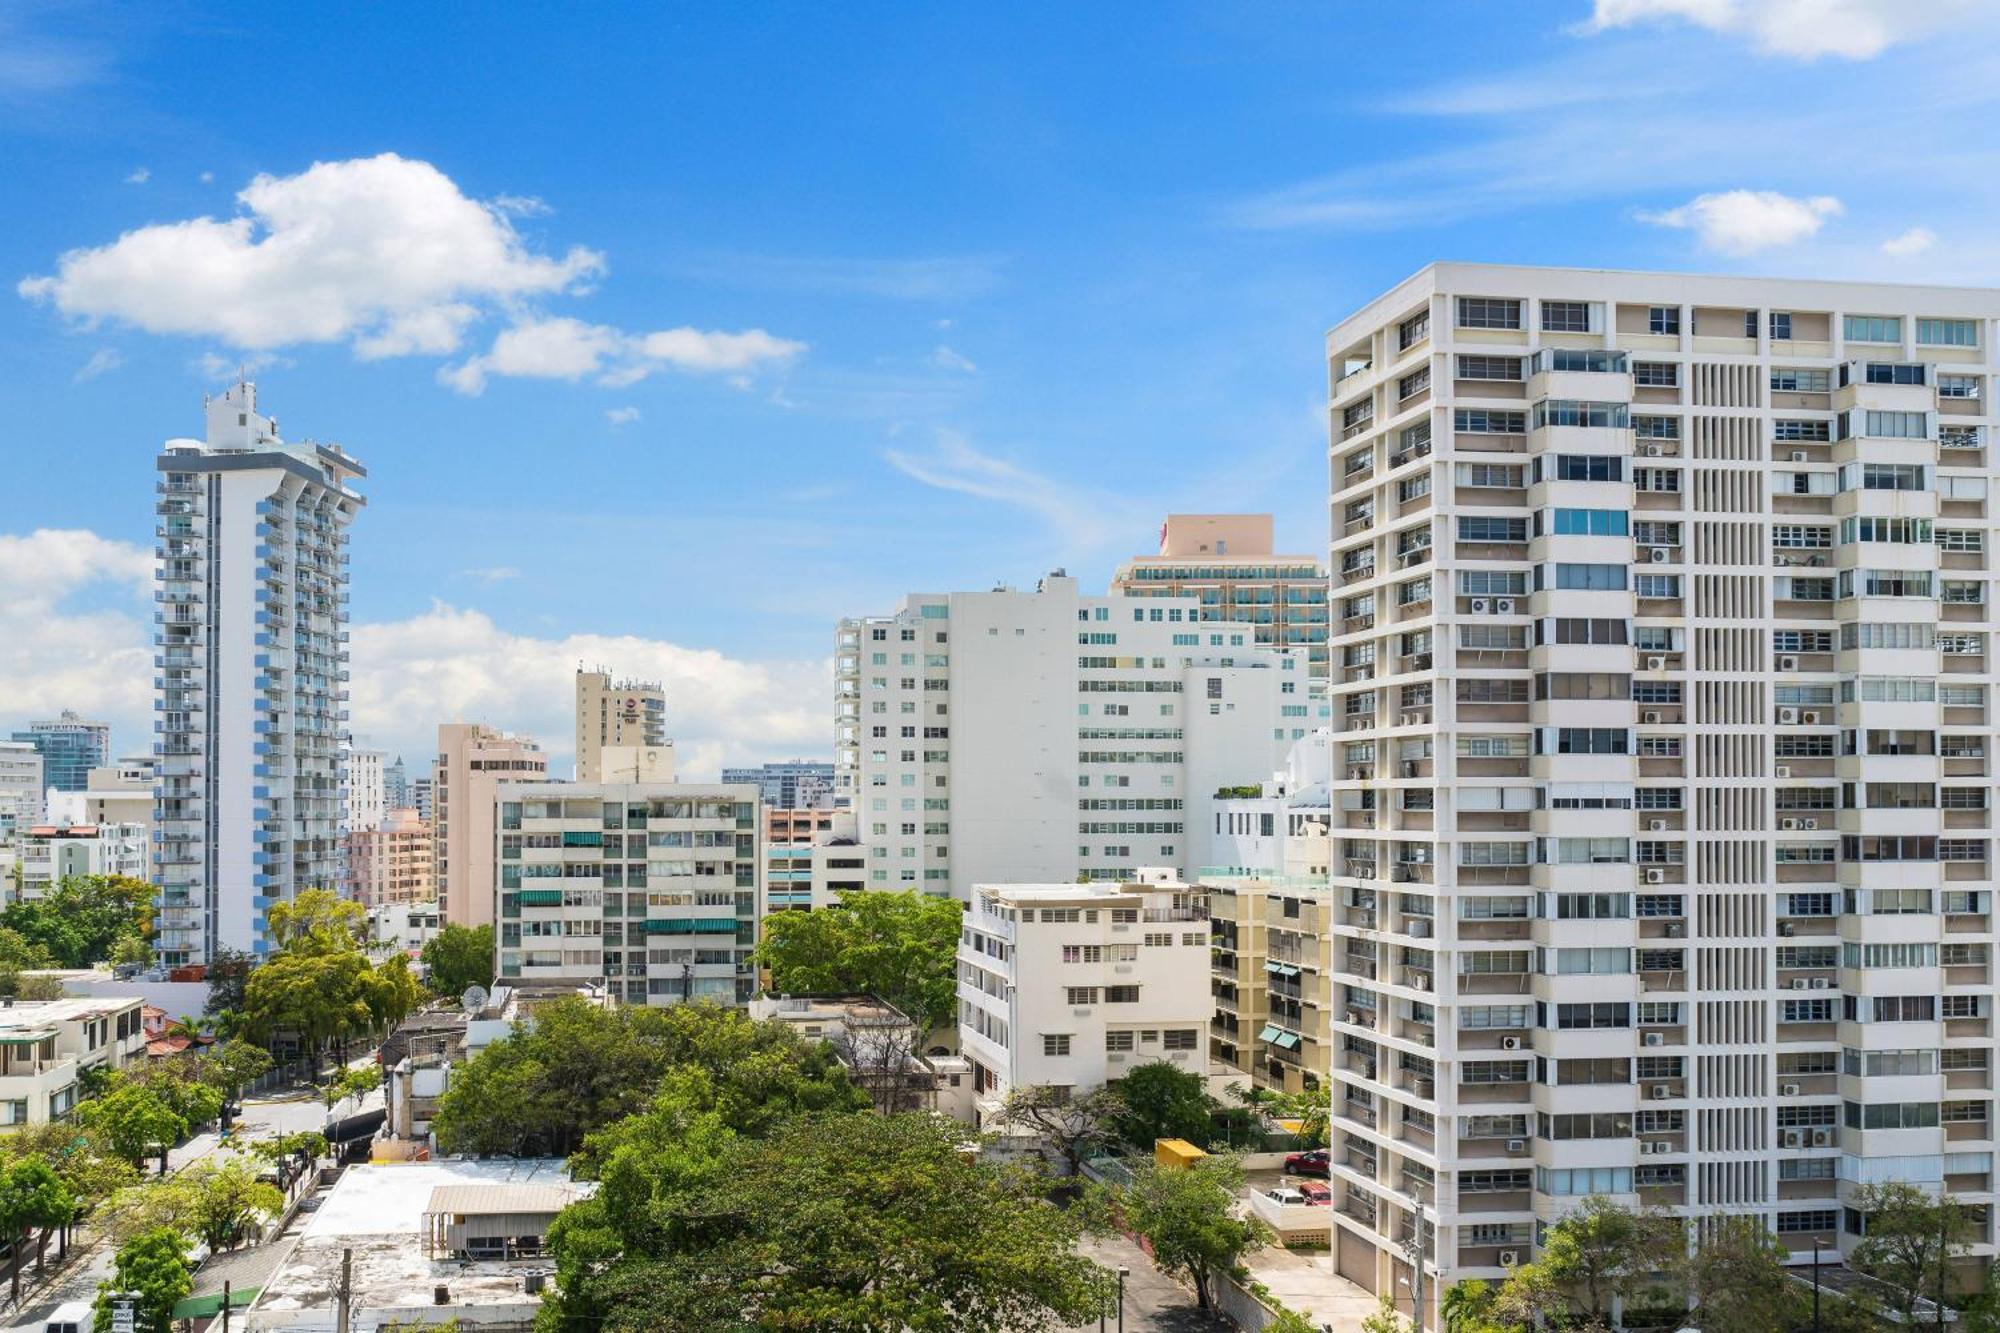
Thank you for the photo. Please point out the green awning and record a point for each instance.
(1286, 1040)
(206, 1307)
(1270, 1033)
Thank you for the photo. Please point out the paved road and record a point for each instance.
(261, 1118)
(1154, 1303)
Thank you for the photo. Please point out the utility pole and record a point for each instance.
(225, 1305)
(1816, 1327)
(1944, 1255)
(344, 1294)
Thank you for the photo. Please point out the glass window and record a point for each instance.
(1566, 316)
(1486, 312)
(1663, 319)
(1948, 332)
(1873, 329)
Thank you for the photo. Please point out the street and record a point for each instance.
(1154, 1302)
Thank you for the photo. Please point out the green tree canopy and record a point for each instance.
(216, 1202)
(1188, 1217)
(1602, 1252)
(1164, 1101)
(32, 1197)
(851, 1222)
(317, 921)
(135, 1120)
(1909, 1239)
(459, 958)
(1071, 1126)
(80, 921)
(155, 1266)
(901, 947)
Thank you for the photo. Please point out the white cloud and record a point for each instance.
(570, 349)
(56, 654)
(139, 176)
(1741, 222)
(1912, 242)
(1081, 519)
(621, 416)
(385, 252)
(521, 205)
(102, 362)
(216, 366)
(491, 573)
(949, 358)
(1801, 29)
(208, 178)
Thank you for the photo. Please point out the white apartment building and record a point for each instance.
(1090, 737)
(51, 853)
(363, 790)
(1663, 676)
(629, 714)
(648, 889)
(811, 857)
(1230, 564)
(251, 683)
(21, 799)
(1075, 985)
(46, 1044)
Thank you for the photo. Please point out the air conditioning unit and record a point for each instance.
(1822, 983)
(1799, 455)
(1786, 928)
(1652, 451)
(1656, 1039)
(1674, 929)
(1509, 1258)
(1788, 1090)
(1784, 770)
(1480, 606)
(1503, 606)
(1510, 1043)
(1409, 719)
(1651, 717)
(1808, 823)
(1657, 825)
(1788, 716)
(1661, 555)
(1788, 664)
(1809, 717)
(1794, 1138)
(1800, 983)
(1660, 1092)
(1822, 1138)
(1656, 876)
(1517, 1145)
(1789, 825)
(1354, 1016)
(1656, 664)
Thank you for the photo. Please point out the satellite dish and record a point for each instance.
(474, 999)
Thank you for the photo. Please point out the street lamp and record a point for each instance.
(1122, 1274)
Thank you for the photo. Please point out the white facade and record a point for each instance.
(51, 854)
(21, 799)
(1090, 733)
(363, 790)
(45, 1045)
(251, 690)
(1284, 828)
(1664, 753)
(1076, 985)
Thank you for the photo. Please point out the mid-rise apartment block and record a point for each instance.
(363, 790)
(52, 853)
(1663, 691)
(1076, 985)
(393, 862)
(1090, 735)
(251, 675)
(795, 784)
(811, 857)
(1229, 563)
(45, 1046)
(21, 800)
(648, 889)
(629, 714)
(70, 747)
(473, 760)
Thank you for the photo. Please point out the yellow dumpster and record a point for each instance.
(1175, 1154)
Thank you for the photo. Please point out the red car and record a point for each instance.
(1311, 1163)
(1316, 1194)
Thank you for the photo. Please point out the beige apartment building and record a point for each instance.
(627, 714)
(394, 862)
(473, 760)
(1271, 971)
(1228, 562)
(1663, 755)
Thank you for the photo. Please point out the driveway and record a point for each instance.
(1154, 1302)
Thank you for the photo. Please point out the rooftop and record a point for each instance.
(855, 1010)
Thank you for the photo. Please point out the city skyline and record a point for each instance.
(970, 366)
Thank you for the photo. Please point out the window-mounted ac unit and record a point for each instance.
(1661, 555)
(1788, 1090)
(1656, 1039)
(1788, 663)
(1657, 825)
(1503, 606)
(1656, 664)
(1674, 929)
(1787, 928)
(1510, 1043)
(1517, 1145)
(1480, 606)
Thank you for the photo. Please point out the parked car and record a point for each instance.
(1316, 1193)
(1285, 1195)
(1311, 1163)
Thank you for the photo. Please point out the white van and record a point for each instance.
(71, 1317)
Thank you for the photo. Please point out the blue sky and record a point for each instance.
(670, 335)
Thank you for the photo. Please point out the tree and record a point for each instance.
(1466, 1306)
(214, 1202)
(1188, 1217)
(32, 1197)
(80, 1157)
(321, 997)
(1602, 1252)
(291, 1155)
(459, 958)
(841, 1222)
(1908, 1240)
(155, 1266)
(1072, 1126)
(354, 1081)
(130, 951)
(227, 973)
(80, 921)
(1384, 1318)
(234, 1066)
(134, 1119)
(900, 947)
(1163, 1101)
(317, 921)
(1735, 1280)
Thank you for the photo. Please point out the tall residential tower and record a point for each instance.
(629, 714)
(251, 683)
(1228, 563)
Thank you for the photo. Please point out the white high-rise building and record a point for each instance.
(251, 687)
(1034, 737)
(1664, 755)
(21, 796)
(364, 790)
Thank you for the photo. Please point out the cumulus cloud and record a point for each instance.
(384, 252)
(1801, 29)
(622, 416)
(571, 349)
(1741, 222)
(950, 358)
(102, 362)
(139, 176)
(1912, 242)
(73, 634)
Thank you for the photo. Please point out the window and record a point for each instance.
(1811, 431)
(1895, 372)
(1566, 316)
(1781, 326)
(1589, 523)
(1749, 323)
(1486, 312)
(1656, 374)
(1873, 329)
(1489, 367)
(1599, 578)
(1799, 379)
(1566, 412)
(1958, 386)
(1589, 467)
(1413, 383)
(1080, 995)
(1663, 319)
(1118, 1041)
(1483, 528)
(1948, 332)
(1179, 1039)
(1482, 421)
(1055, 1043)
(1656, 428)
(1121, 995)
